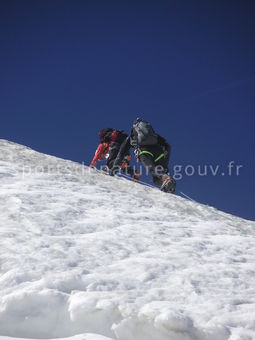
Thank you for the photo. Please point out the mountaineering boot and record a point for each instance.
(105, 169)
(168, 184)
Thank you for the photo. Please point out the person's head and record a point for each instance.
(103, 133)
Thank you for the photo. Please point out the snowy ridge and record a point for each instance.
(85, 253)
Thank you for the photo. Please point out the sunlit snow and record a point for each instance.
(91, 257)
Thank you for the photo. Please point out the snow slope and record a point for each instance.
(83, 253)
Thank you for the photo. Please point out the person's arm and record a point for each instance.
(100, 153)
(124, 149)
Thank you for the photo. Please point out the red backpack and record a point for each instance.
(105, 135)
(109, 135)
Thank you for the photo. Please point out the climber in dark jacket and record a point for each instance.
(152, 150)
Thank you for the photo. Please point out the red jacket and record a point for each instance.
(100, 153)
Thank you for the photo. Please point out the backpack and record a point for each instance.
(110, 135)
(143, 134)
(105, 135)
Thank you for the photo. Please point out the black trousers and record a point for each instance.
(113, 152)
(155, 162)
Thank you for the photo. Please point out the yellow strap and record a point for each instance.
(145, 152)
(159, 157)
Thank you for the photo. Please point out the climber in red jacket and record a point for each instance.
(110, 142)
(101, 151)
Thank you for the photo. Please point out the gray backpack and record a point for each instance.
(143, 134)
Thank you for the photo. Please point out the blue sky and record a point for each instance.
(70, 68)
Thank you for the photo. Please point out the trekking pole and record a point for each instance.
(187, 197)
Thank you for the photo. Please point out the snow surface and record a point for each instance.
(84, 253)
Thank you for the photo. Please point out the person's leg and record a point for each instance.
(162, 166)
(147, 161)
(159, 161)
(168, 183)
(147, 156)
(113, 152)
(155, 162)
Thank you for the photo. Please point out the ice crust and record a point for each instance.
(87, 256)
